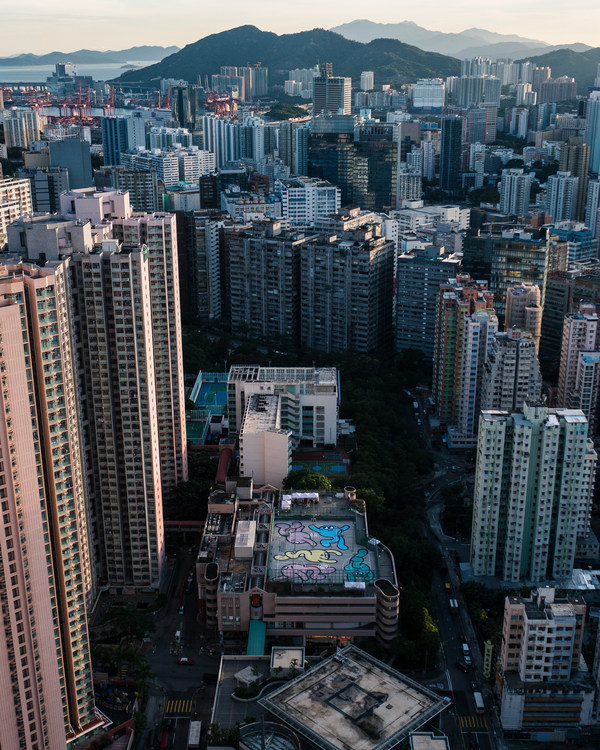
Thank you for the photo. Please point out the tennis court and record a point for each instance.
(213, 396)
(330, 468)
(195, 432)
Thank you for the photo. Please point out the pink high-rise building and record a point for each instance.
(45, 575)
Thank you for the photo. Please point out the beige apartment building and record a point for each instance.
(115, 363)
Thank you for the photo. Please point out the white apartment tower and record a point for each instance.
(543, 636)
(15, 201)
(524, 310)
(511, 374)
(562, 196)
(367, 80)
(534, 485)
(21, 127)
(304, 200)
(429, 93)
(580, 334)
(515, 188)
(476, 337)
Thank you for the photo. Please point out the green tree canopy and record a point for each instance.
(306, 480)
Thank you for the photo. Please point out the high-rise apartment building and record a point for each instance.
(293, 146)
(367, 80)
(21, 127)
(540, 680)
(465, 326)
(524, 310)
(564, 293)
(543, 635)
(115, 139)
(119, 401)
(429, 93)
(132, 387)
(204, 264)
(419, 273)
(515, 187)
(581, 243)
(46, 187)
(375, 176)
(264, 272)
(46, 574)
(575, 158)
(592, 204)
(331, 152)
(534, 485)
(511, 373)
(578, 377)
(305, 200)
(332, 95)
(592, 130)
(562, 196)
(15, 201)
(142, 187)
(512, 258)
(346, 287)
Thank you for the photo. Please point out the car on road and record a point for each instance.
(463, 666)
(474, 686)
(185, 661)
(182, 610)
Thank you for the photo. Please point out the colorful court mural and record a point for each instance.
(313, 553)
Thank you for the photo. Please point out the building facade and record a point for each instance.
(534, 485)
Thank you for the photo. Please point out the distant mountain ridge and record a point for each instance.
(92, 57)
(391, 60)
(467, 43)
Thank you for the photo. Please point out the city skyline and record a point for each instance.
(39, 27)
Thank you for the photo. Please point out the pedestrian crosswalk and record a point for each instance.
(473, 722)
(178, 707)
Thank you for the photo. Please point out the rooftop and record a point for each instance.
(319, 542)
(352, 701)
(261, 413)
(247, 373)
(428, 741)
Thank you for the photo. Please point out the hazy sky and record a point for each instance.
(45, 25)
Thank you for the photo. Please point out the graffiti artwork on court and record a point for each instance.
(309, 553)
(312, 555)
(295, 534)
(357, 569)
(332, 535)
(305, 573)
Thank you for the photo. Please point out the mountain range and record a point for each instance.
(88, 56)
(465, 44)
(392, 61)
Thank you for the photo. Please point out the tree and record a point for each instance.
(306, 480)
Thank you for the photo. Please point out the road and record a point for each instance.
(179, 692)
(464, 726)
